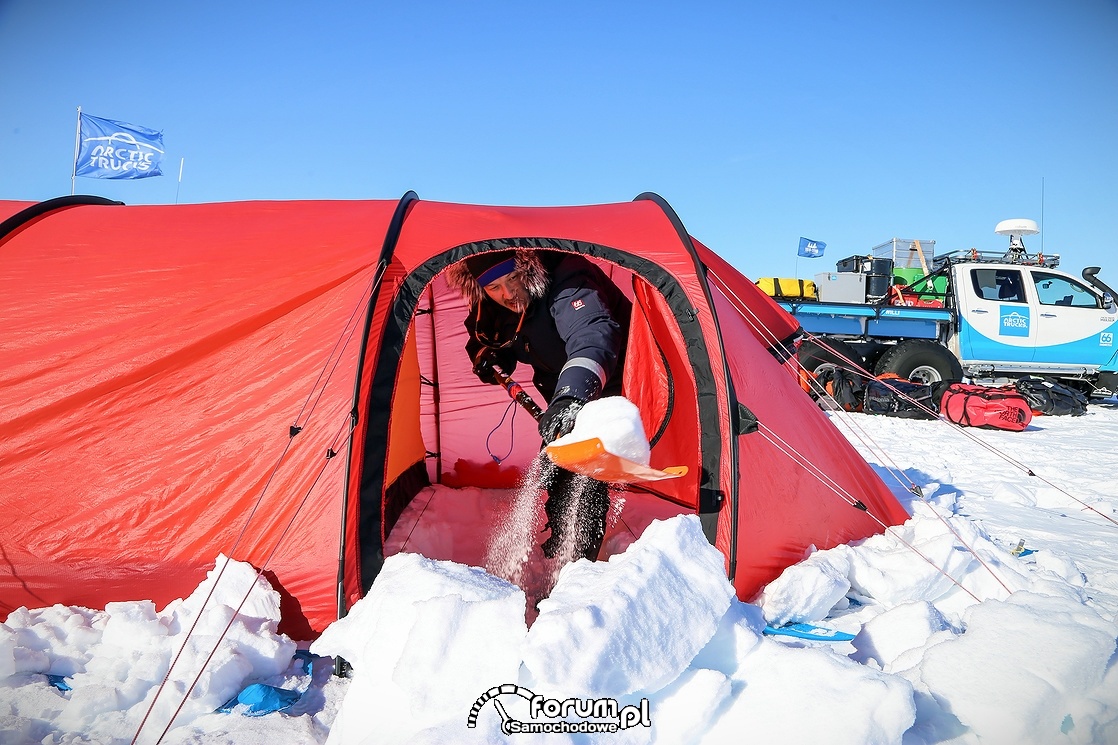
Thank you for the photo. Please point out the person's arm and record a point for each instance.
(593, 342)
(483, 358)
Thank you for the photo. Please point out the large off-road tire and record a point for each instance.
(824, 354)
(921, 361)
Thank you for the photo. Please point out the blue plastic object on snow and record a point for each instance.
(809, 631)
(58, 681)
(306, 660)
(261, 699)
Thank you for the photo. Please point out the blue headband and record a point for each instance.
(495, 272)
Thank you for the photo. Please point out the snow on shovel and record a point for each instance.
(589, 455)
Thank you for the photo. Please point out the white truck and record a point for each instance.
(987, 317)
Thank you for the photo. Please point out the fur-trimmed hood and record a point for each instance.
(532, 271)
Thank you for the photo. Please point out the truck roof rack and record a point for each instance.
(974, 256)
(1015, 229)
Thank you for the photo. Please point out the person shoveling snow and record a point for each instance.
(562, 315)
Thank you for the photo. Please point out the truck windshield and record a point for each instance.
(1052, 289)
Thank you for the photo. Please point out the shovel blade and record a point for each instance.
(590, 458)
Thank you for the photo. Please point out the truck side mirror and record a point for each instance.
(1108, 302)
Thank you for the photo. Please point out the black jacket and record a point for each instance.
(573, 336)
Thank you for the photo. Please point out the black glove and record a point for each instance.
(484, 366)
(559, 419)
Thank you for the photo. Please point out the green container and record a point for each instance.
(908, 275)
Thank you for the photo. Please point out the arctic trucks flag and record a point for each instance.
(810, 248)
(117, 150)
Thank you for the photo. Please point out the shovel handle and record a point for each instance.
(519, 395)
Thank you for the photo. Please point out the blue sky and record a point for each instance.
(849, 123)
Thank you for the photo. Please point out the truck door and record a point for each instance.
(995, 321)
(1072, 325)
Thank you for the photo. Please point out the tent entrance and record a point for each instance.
(444, 428)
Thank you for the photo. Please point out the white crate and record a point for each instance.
(841, 287)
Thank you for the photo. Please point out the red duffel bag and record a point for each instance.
(979, 406)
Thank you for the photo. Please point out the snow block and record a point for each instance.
(805, 695)
(428, 639)
(809, 590)
(623, 615)
(886, 637)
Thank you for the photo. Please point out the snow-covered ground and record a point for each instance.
(989, 617)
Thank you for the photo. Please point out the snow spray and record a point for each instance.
(514, 551)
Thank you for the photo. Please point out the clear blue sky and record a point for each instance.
(759, 122)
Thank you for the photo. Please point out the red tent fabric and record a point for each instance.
(276, 380)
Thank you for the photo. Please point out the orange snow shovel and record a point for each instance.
(590, 457)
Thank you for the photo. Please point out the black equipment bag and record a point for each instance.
(1051, 399)
(894, 396)
(843, 389)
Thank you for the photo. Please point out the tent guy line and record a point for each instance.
(343, 435)
(887, 529)
(804, 463)
(853, 367)
(346, 334)
(341, 438)
(860, 432)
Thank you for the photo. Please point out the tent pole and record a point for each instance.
(435, 398)
(391, 237)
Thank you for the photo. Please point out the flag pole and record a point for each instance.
(77, 148)
(181, 161)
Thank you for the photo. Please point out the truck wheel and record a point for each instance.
(920, 361)
(827, 354)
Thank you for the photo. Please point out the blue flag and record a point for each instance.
(811, 249)
(117, 150)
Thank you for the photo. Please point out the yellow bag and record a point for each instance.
(791, 289)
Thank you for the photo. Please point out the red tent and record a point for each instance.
(278, 380)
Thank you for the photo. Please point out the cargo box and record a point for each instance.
(841, 287)
(853, 264)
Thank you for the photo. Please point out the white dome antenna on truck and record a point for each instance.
(1016, 229)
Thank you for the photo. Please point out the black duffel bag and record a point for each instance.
(1051, 399)
(893, 396)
